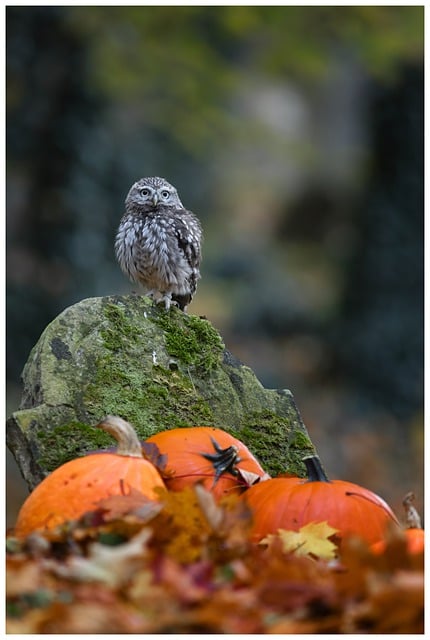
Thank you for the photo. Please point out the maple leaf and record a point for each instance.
(311, 540)
(195, 570)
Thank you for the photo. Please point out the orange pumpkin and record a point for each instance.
(414, 534)
(207, 455)
(414, 542)
(76, 487)
(290, 503)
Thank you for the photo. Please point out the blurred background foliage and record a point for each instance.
(296, 134)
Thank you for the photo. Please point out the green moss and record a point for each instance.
(265, 433)
(120, 331)
(149, 405)
(152, 397)
(151, 401)
(300, 440)
(69, 441)
(157, 369)
(191, 340)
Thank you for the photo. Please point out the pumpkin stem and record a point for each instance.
(314, 469)
(223, 460)
(124, 434)
(413, 520)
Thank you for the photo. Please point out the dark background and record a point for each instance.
(296, 134)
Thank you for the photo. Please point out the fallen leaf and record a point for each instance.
(249, 478)
(182, 529)
(152, 453)
(212, 512)
(111, 565)
(195, 570)
(130, 501)
(311, 540)
(22, 577)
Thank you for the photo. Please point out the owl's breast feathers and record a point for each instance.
(161, 249)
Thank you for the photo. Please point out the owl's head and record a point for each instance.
(151, 192)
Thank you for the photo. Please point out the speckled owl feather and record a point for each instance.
(158, 243)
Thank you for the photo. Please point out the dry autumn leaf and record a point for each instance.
(248, 478)
(206, 501)
(111, 565)
(182, 528)
(152, 453)
(134, 502)
(311, 540)
(192, 568)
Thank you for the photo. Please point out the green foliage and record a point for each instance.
(167, 64)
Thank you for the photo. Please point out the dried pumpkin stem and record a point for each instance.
(413, 520)
(223, 460)
(124, 434)
(314, 469)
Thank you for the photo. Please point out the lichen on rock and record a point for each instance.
(157, 369)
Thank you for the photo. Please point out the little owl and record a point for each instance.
(158, 242)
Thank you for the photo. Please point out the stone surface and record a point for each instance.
(157, 369)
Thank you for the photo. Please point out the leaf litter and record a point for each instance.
(186, 565)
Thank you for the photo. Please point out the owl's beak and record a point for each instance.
(155, 199)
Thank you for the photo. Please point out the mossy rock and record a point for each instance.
(157, 369)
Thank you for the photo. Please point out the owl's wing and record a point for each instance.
(189, 236)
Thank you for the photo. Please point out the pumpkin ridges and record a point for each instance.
(197, 453)
(77, 496)
(265, 504)
(290, 503)
(375, 500)
(78, 485)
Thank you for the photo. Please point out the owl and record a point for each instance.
(158, 243)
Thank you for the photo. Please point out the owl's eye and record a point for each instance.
(165, 194)
(144, 192)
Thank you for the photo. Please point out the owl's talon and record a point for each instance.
(168, 302)
(165, 299)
